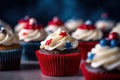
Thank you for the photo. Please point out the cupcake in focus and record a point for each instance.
(88, 36)
(57, 53)
(103, 62)
(10, 50)
(105, 24)
(54, 24)
(72, 24)
(30, 37)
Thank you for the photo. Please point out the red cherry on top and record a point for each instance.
(56, 21)
(113, 35)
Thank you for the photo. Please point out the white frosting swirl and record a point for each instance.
(104, 24)
(52, 28)
(19, 27)
(87, 35)
(116, 29)
(58, 42)
(32, 35)
(7, 37)
(107, 57)
(73, 24)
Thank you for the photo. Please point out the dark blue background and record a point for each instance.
(44, 10)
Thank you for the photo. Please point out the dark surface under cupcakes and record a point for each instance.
(100, 70)
(44, 51)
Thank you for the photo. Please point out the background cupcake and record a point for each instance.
(116, 28)
(30, 37)
(103, 62)
(105, 24)
(88, 37)
(10, 52)
(21, 23)
(58, 52)
(54, 24)
(72, 24)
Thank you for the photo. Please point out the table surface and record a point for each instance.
(30, 71)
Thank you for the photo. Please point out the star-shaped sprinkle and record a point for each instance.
(48, 42)
(68, 45)
(63, 34)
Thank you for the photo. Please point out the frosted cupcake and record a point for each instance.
(105, 24)
(88, 37)
(103, 62)
(54, 24)
(7, 26)
(58, 52)
(30, 37)
(116, 28)
(10, 52)
(21, 23)
(72, 24)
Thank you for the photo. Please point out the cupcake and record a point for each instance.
(105, 24)
(54, 24)
(72, 24)
(88, 37)
(21, 23)
(57, 53)
(10, 50)
(116, 28)
(7, 26)
(103, 62)
(30, 37)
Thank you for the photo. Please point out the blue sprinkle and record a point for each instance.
(88, 22)
(68, 45)
(104, 42)
(50, 31)
(113, 43)
(91, 56)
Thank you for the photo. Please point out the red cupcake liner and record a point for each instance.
(98, 76)
(85, 47)
(59, 65)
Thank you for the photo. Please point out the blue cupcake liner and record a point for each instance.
(28, 50)
(10, 59)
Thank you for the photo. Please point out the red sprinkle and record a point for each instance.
(48, 42)
(24, 33)
(63, 34)
(33, 27)
(23, 21)
(88, 27)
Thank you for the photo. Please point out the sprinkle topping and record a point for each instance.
(63, 34)
(48, 42)
(68, 45)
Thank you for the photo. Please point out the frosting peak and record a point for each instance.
(59, 40)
